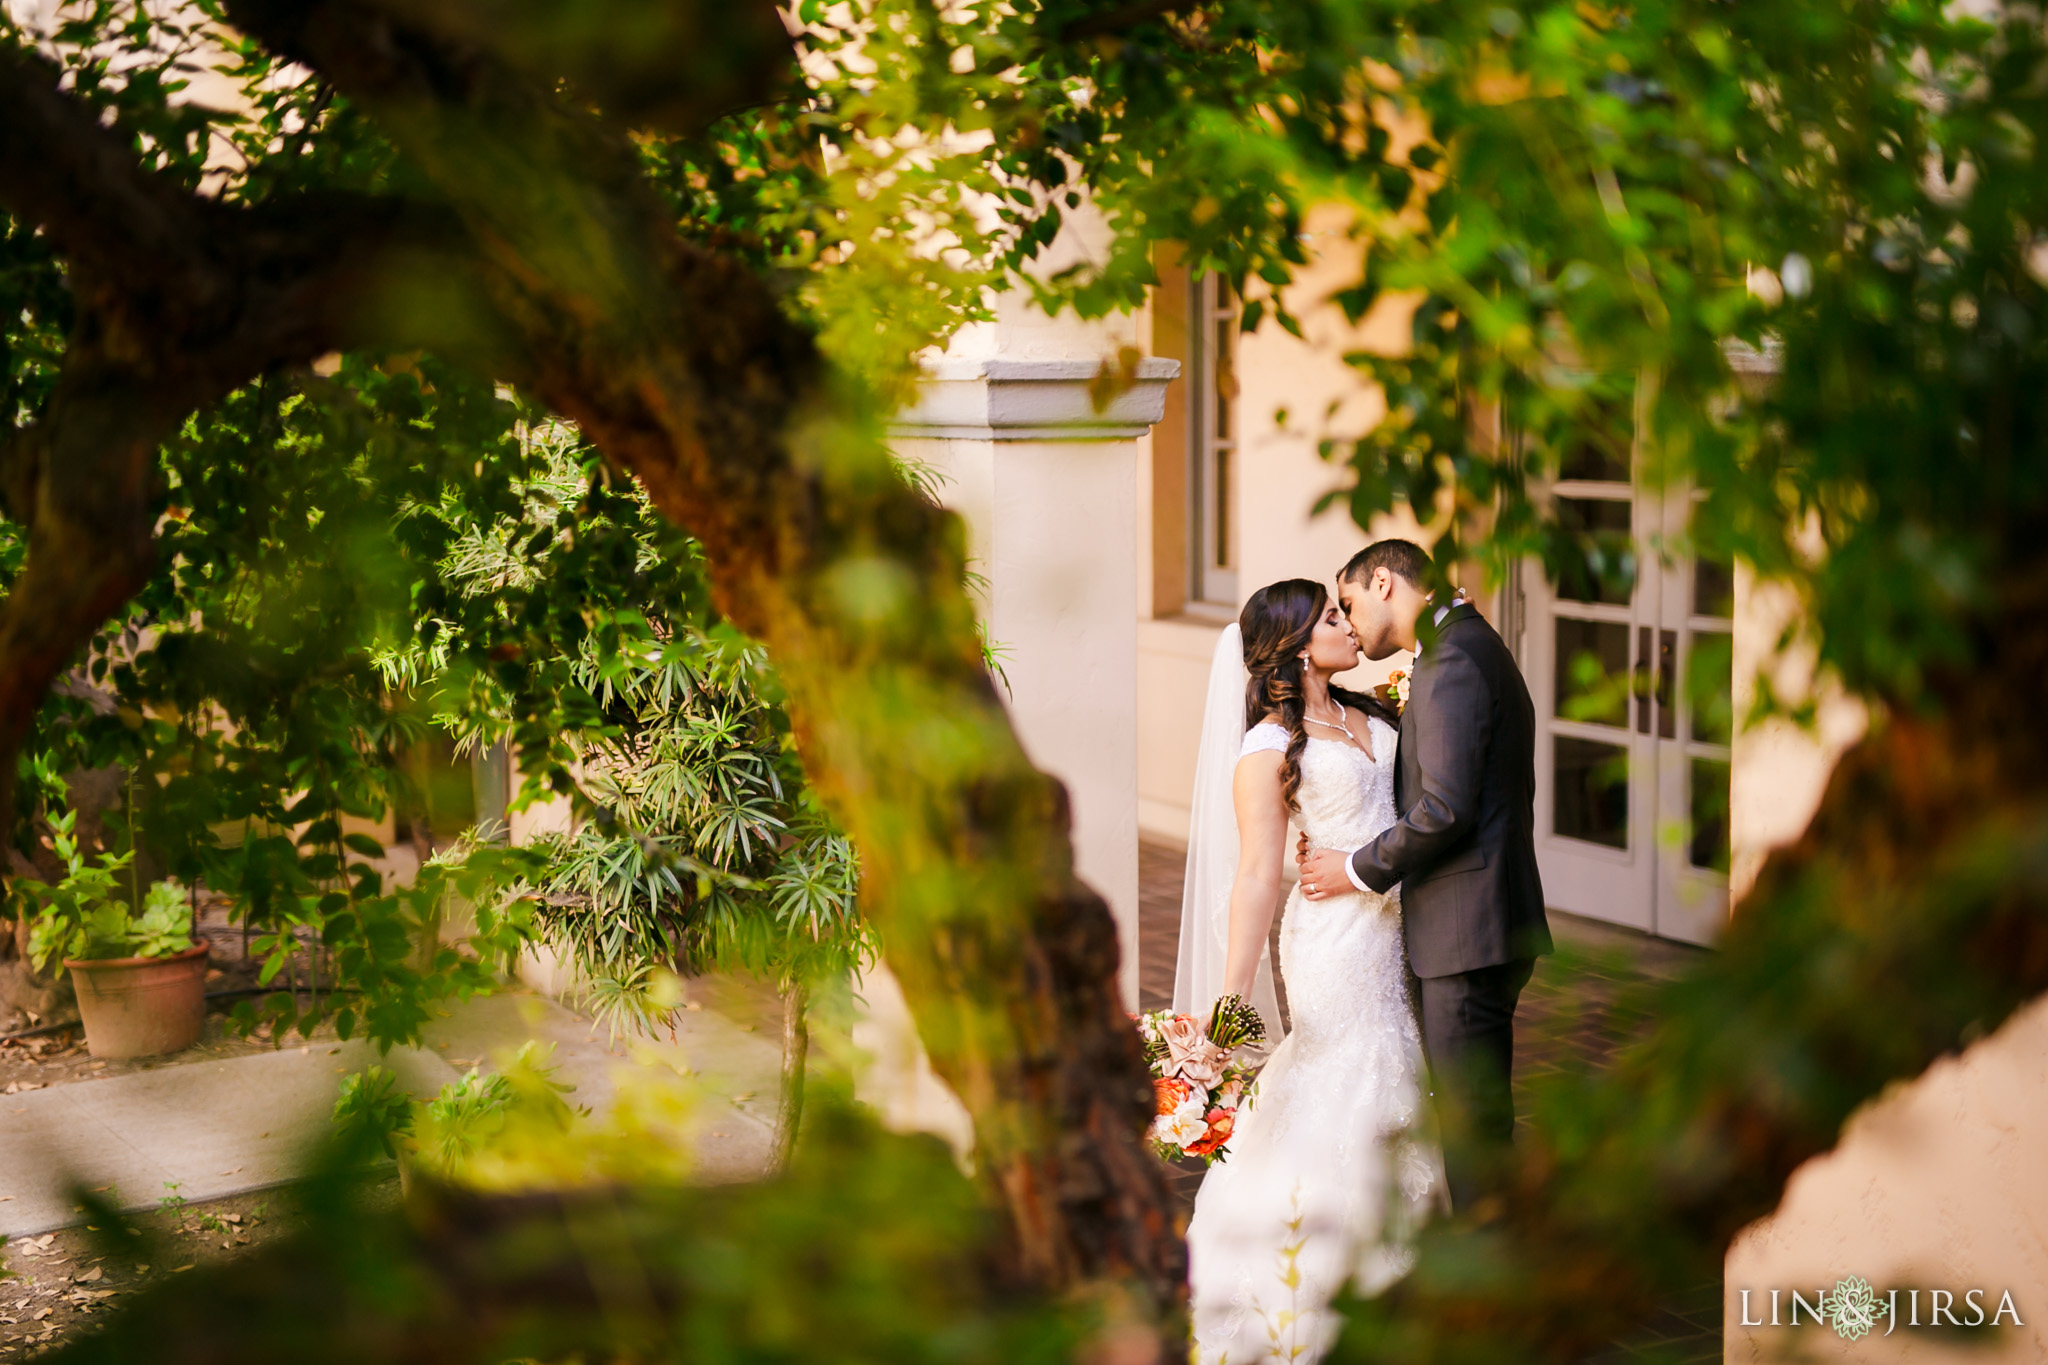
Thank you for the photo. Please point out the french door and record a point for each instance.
(1627, 656)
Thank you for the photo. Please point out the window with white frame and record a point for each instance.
(1212, 440)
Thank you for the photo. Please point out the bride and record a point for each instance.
(1329, 1171)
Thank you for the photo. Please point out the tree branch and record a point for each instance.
(82, 184)
(179, 300)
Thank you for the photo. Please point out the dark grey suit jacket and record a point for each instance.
(1464, 850)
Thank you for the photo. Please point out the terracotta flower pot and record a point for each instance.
(141, 1006)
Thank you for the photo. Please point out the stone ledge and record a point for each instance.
(1033, 400)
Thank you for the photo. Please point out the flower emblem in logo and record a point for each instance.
(1851, 1307)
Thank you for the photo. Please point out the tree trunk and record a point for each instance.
(682, 366)
(796, 1051)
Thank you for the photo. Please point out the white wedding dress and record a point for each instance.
(1331, 1168)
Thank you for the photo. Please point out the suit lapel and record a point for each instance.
(1416, 714)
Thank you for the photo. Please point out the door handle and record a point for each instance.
(1667, 665)
(1640, 684)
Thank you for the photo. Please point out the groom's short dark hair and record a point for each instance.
(1403, 557)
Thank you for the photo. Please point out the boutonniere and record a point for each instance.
(1394, 691)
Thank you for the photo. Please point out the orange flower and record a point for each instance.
(1220, 1122)
(1169, 1094)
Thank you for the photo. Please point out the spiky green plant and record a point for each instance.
(695, 844)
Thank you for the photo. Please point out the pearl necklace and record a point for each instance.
(1337, 724)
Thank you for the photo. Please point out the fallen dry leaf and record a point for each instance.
(89, 1276)
(236, 1171)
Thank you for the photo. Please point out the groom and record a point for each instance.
(1463, 851)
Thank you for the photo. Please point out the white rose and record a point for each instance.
(1180, 1128)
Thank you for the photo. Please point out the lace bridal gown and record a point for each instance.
(1329, 1171)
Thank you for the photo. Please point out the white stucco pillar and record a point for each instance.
(1047, 484)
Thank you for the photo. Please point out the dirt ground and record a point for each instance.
(61, 1058)
(57, 1285)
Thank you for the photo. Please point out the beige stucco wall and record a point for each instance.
(1287, 387)
(1941, 1183)
(1173, 681)
(1780, 768)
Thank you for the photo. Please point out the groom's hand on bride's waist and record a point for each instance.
(1323, 871)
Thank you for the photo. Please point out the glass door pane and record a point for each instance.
(1589, 609)
(1590, 790)
(1694, 753)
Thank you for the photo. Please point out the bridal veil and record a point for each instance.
(1213, 847)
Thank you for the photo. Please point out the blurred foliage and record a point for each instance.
(872, 1247)
(476, 1129)
(1608, 223)
(1598, 221)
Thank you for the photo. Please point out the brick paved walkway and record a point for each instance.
(1569, 1011)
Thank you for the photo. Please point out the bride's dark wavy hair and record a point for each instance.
(1276, 624)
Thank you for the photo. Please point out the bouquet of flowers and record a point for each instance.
(1394, 691)
(1196, 1079)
